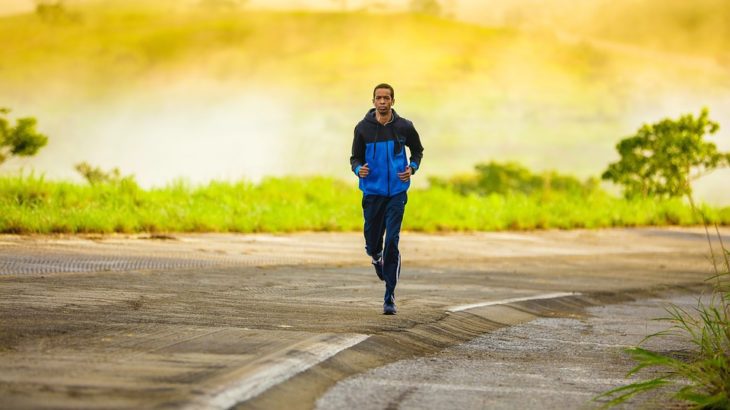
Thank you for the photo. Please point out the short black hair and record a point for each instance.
(387, 86)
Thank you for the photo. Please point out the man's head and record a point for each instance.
(383, 98)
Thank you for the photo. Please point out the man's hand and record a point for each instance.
(364, 171)
(405, 175)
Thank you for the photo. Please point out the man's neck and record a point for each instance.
(384, 119)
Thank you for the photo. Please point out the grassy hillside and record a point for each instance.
(91, 43)
(102, 48)
(130, 43)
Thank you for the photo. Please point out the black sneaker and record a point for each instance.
(378, 265)
(389, 308)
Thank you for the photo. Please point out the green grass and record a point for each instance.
(31, 204)
(702, 380)
(34, 205)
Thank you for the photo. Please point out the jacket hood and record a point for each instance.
(370, 116)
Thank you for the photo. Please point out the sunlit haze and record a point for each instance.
(257, 88)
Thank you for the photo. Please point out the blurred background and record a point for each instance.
(229, 90)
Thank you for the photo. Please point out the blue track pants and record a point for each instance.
(383, 216)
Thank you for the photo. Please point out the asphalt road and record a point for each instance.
(546, 363)
(276, 321)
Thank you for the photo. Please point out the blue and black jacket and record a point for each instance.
(382, 147)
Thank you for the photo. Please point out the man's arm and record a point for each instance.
(357, 159)
(413, 141)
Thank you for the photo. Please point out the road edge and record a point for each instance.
(304, 389)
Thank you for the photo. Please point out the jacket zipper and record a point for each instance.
(387, 151)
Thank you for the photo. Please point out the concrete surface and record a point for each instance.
(547, 363)
(274, 321)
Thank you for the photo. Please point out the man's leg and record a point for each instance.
(391, 257)
(378, 255)
(373, 209)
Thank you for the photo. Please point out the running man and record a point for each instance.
(379, 160)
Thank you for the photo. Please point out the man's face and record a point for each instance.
(383, 101)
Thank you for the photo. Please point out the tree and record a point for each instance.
(55, 12)
(95, 175)
(662, 159)
(21, 140)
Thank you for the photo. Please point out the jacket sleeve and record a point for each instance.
(357, 159)
(413, 141)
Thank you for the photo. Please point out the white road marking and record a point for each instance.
(277, 370)
(512, 300)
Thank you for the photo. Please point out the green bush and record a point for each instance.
(512, 178)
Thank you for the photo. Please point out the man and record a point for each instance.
(379, 160)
